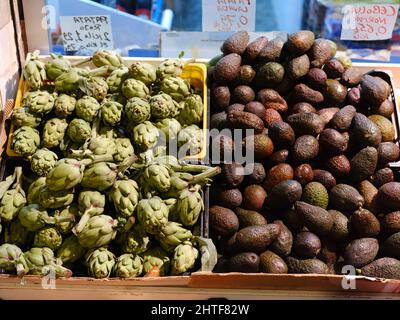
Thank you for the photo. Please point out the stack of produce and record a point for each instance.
(321, 193)
(100, 191)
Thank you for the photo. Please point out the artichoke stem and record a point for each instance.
(79, 63)
(211, 172)
(129, 224)
(6, 184)
(127, 163)
(82, 222)
(21, 271)
(190, 168)
(18, 178)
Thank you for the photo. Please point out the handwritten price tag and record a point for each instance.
(229, 15)
(91, 32)
(362, 22)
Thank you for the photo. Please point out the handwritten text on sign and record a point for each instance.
(229, 15)
(362, 22)
(91, 32)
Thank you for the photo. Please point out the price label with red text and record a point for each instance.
(368, 22)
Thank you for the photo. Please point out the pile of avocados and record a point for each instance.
(321, 193)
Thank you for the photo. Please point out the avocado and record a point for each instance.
(341, 121)
(388, 268)
(351, 77)
(303, 93)
(223, 220)
(246, 262)
(316, 78)
(344, 197)
(282, 246)
(220, 98)
(269, 75)
(391, 246)
(254, 48)
(232, 174)
(363, 224)
(370, 194)
(249, 218)
(271, 116)
(284, 194)
(334, 69)
(385, 109)
(316, 194)
(385, 126)
(390, 223)
(272, 99)
(257, 176)
(340, 229)
(256, 108)
(245, 120)
(213, 61)
(260, 145)
(292, 220)
(256, 238)
(327, 114)
(333, 141)
(234, 107)
(227, 69)
(324, 177)
(243, 94)
(302, 107)
(328, 253)
(382, 176)
(280, 156)
(246, 75)
(227, 245)
(361, 252)
(306, 123)
(286, 85)
(374, 90)
(236, 43)
(219, 120)
(276, 174)
(253, 197)
(281, 134)
(305, 148)
(389, 196)
(298, 67)
(315, 218)
(353, 96)
(222, 265)
(304, 174)
(272, 263)
(306, 245)
(300, 42)
(388, 152)
(339, 166)
(306, 266)
(272, 51)
(222, 145)
(363, 164)
(321, 52)
(335, 93)
(227, 197)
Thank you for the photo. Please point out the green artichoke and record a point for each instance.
(70, 251)
(42, 161)
(41, 261)
(65, 218)
(64, 105)
(111, 113)
(152, 214)
(95, 87)
(79, 130)
(66, 174)
(55, 199)
(48, 237)
(99, 231)
(143, 71)
(34, 190)
(17, 234)
(25, 141)
(107, 58)
(110, 132)
(33, 217)
(53, 132)
(34, 72)
(100, 263)
(173, 234)
(170, 68)
(87, 108)
(177, 88)
(162, 106)
(12, 259)
(117, 97)
(125, 197)
(102, 145)
(145, 136)
(21, 117)
(134, 88)
(100, 176)
(137, 110)
(192, 111)
(170, 127)
(136, 241)
(128, 266)
(116, 78)
(39, 102)
(156, 257)
(13, 199)
(67, 81)
(189, 206)
(190, 140)
(124, 149)
(57, 66)
(90, 203)
(157, 176)
(184, 258)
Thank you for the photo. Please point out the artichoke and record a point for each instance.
(25, 141)
(190, 140)
(70, 251)
(39, 102)
(173, 234)
(66, 174)
(90, 203)
(156, 257)
(57, 66)
(157, 176)
(79, 130)
(107, 58)
(100, 176)
(143, 71)
(124, 149)
(117, 97)
(41, 261)
(87, 108)
(13, 199)
(34, 190)
(100, 263)
(34, 218)
(42, 161)
(134, 88)
(95, 87)
(189, 206)
(65, 218)
(128, 266)
(145, 136)
(53, 132)
(64, 105)
(17, 234)
(137, 110)
(12, 258)
(34, 72)
(192, 111)
(169, 127)
(177, 88)
(67, 81)
(170, 68)
(116, 78)
(184, 258)
(101, 145)
(125, 197)
(111, 113)
(21, 117)
(55, 199)
(48, 237)
(136, 241)
(162, 106)
(99, 231)
(152, 214)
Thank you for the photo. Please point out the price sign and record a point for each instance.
(363, 22)
(86, 32)
(229, 15)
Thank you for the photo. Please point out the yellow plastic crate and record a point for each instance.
(196, 73)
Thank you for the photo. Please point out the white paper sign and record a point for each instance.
(366, 22)
(90, 32)
(229, 15)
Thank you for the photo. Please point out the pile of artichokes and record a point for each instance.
(101, 196)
